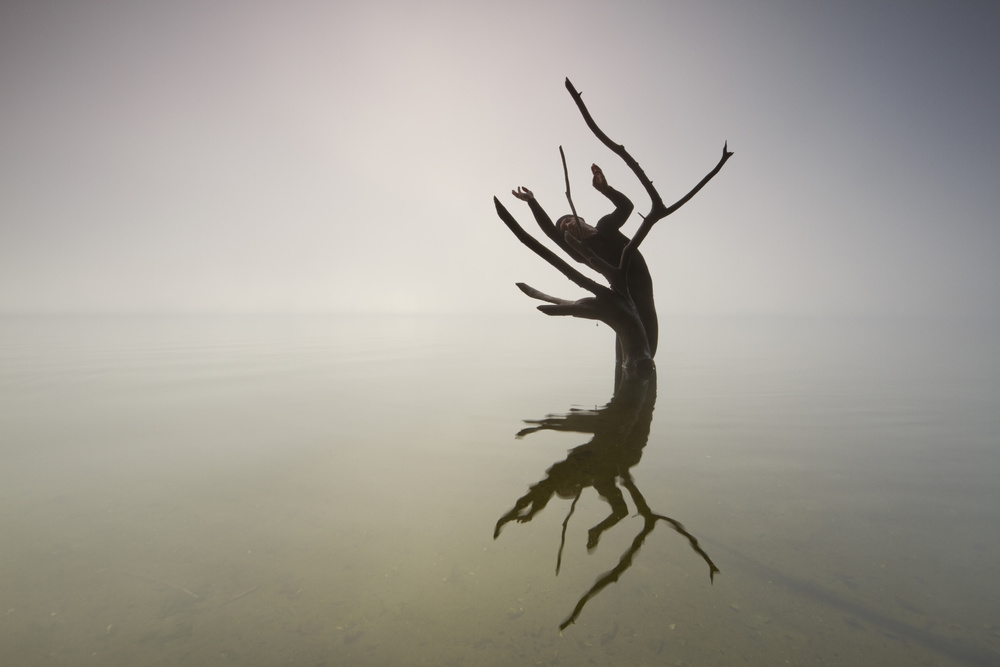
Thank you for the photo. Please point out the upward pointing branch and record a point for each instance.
(618, 150)
(658, 210)
(569, 197)
(555, 260)
(648, 223)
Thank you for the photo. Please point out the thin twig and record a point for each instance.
(569, 198)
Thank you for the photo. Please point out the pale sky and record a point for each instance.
(342, 156)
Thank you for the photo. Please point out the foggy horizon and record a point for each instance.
(310, 158)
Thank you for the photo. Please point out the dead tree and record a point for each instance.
(610, 304)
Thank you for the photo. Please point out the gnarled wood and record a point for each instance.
(612, 305)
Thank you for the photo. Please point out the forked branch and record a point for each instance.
(658, 210)
(648, 223)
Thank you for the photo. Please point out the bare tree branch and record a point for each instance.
(618, 150)
(647, 224)
(658, 210)
(587, 308)
(541, 296)
(546, 254)
(569, 198)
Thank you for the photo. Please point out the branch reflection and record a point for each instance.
(620, 431)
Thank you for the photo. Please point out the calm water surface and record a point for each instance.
(439, 491)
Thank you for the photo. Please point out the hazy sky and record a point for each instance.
(331, 156)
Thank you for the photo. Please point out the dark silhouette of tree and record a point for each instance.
(620, 429)
(614, 304)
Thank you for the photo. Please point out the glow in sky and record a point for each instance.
(332, 156)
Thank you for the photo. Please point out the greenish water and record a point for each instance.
(325, 491)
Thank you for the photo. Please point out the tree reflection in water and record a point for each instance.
(620, 430)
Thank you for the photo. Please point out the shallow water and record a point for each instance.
(325, 490)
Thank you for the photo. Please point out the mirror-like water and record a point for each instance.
(439, 491)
